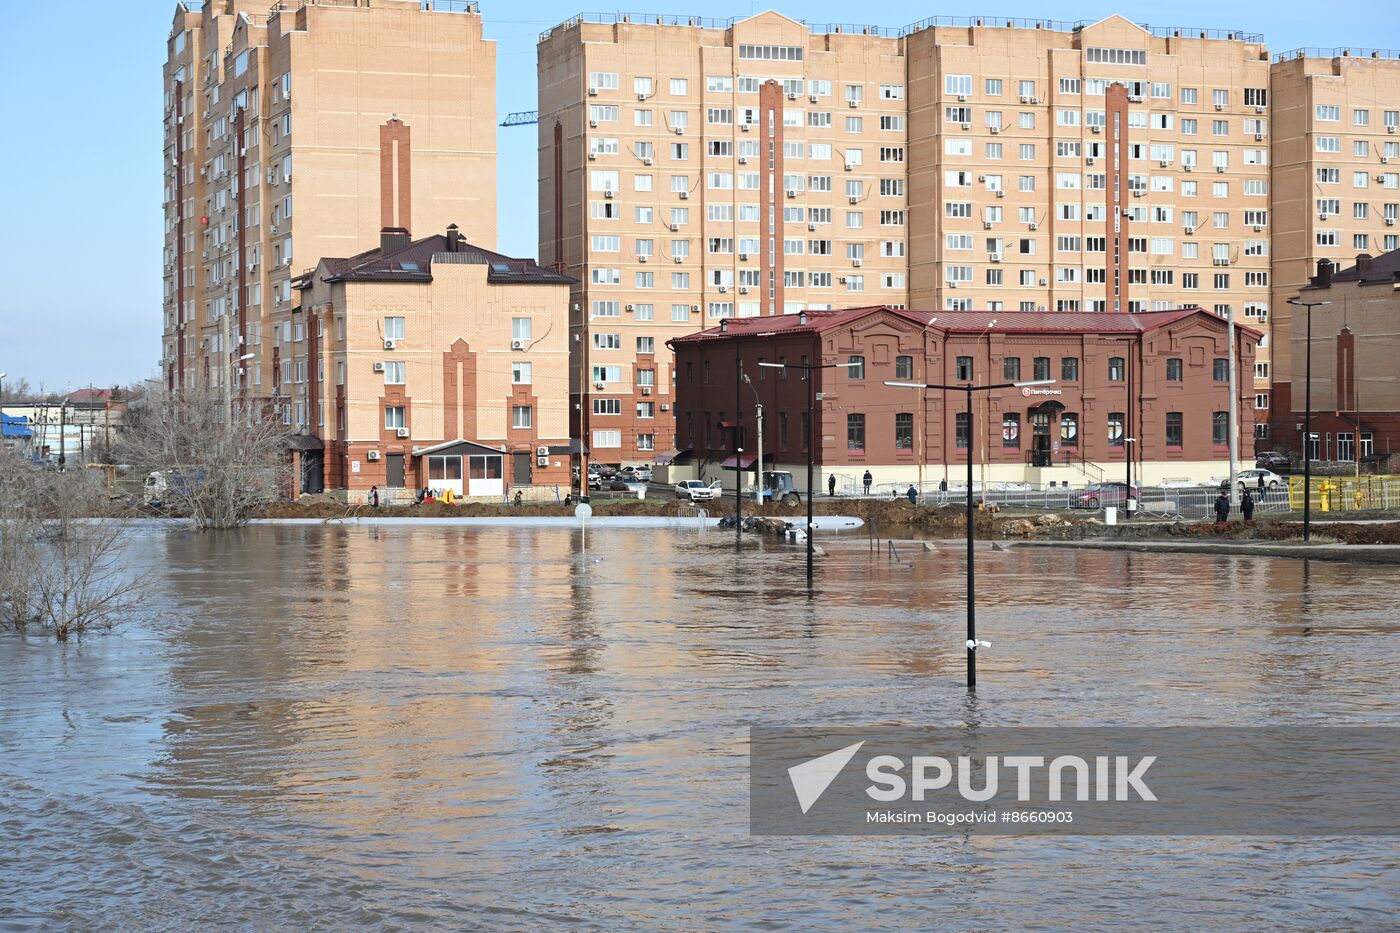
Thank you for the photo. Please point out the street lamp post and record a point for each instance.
(807, 374)
(581, 339)
(969, 388)
(738, 439)
(1307, 416)
(758, 466)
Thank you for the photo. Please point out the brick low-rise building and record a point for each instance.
(1073, 431)
(432, 362)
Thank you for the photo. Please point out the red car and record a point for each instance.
(1104, 495)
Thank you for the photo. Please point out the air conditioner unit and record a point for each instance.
(1164, 163)
(1260, 108)
(743, 289)
(642, 258)
(723, 289)
(646, 390)
(1096, 129)
(951, 283)
(1044, 282)
(994, 257)
(677, 260)
(840, 280)
(402, 432)
(744, 257)
(592, 156)
(1380, 178)
(1385, 160)
(593, 123)
(274, 228)
(1027, 100)
(542, 461)
(379, 367)
(1137, 194)
(962, 98)
(1258, 228)
(857, 263)
(981, 177)
(1001, 193)
(792, 95)
(1033, 226)
(517, 344)
(1390, 127)
(600, 386)
(1220, 169)
(853, 104)
(665, 407)
(1190, 230)
(371, 455)
(792, 193)
(986, 225)
(813, 98)
(1258, 137)
(608, 193)
(967, 126)
(641, 97)
(592, 92)
(1189, 167)
(743, 160)
(850, 166)
(675, 228)
(854, 199)
(695, 307)
(743, 128)
(685, 195)
(680, 130)
(1390, 221)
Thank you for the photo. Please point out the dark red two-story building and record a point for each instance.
(1154, 383)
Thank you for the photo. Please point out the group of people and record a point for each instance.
(1222, 506)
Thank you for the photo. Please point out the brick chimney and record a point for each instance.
(1363, 264)
(395, 175)
(1323, 279)
(392, 239)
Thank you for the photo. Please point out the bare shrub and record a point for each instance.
(223, 458)
(60, 553)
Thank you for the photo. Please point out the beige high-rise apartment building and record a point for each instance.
(693, 170)
(956, 164)
(291, 128)
(1037, 185)
(1336, 190)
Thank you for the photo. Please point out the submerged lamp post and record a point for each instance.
(1307, 417)
(969, 388)
(807, 370)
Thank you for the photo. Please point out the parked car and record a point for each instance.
(643, 474)
(160, 485)
(1249, 479)
(697, 490)
(1104, 495)
(625, 483)
(1272, 460)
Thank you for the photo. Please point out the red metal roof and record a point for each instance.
(1033, 322)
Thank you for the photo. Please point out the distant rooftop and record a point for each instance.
(897, 32)
(413, 260)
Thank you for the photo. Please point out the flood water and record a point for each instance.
(483, 728)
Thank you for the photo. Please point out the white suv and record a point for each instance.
(695, 490)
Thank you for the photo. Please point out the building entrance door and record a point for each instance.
(393, 471)
(1040, 439)
(521, 468)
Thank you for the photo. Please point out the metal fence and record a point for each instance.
(1346, 493)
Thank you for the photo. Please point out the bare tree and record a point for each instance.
(61, 566)
(220, 458)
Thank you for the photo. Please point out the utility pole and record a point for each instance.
(1234, 414)
(758, 470)
(1307, 417)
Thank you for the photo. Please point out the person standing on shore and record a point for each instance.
(1222, 508)
(374, 497)
(1247, 506)
(831, 485)
(867, 480)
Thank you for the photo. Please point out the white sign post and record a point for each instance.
(583, 512)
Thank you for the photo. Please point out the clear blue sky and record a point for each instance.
(80, 213)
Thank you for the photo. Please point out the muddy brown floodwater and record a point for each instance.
(483, 728)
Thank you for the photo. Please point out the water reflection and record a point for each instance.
(495, 727)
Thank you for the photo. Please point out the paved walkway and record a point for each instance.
(1364, 553)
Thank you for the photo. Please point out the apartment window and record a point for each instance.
(957, 85)
(855, 433)
(1174, 369)
(1011, 430)
(393, 417)
(964, 369)
(1220, 428)
(393, 328)
(1115, 429)
(520, 372)
(1069, 369)
(520, 416)
(394, 371)
(607, 406)
(1041, 367)
(904, 367)
(1011, 368)
(1174, 430)
(1115, 369)
(607, 439)
(962, 430)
